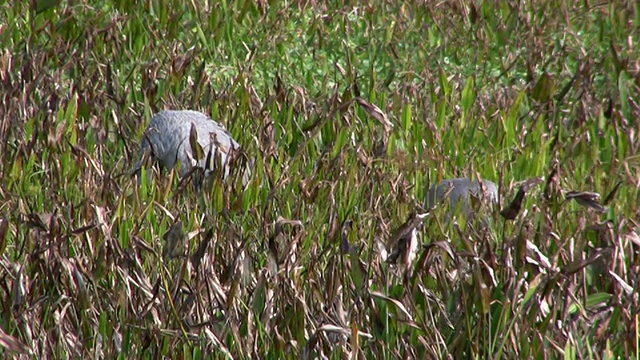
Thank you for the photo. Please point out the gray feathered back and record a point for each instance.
(167, 138)
(460, 191)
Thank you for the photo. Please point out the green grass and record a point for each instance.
(506, 91)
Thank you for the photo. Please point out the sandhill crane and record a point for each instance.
(459, 192)
(168, 139)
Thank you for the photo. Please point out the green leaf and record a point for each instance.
(441, 113)
(70, 116)
(259, 297)
(482, 290)
(444, 83)
(623, 88)
(357, 273)
(198, 151)
(469, 94)
(42, 5)
(593, 301)
(511, 121)
(533, 287)
(544, 89)
(569, 351)
(407, 118)
(341, 141)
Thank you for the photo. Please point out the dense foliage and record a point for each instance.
(349, 112)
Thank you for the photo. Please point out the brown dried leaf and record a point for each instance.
(280, 247)
(413, 222)
(282, 221)
(197, 256)
(582, 195)
(602, 226)
(444, 245)
(280, 91)
(376, 113)
(525, 236)
(406, 315)
(355, 339)
(12, 343)
(404, 240)
(39, 221)
(172, 238)
(80, 152)
(19, 290)
(196, 150)
(511, 211)
(587, 199)
(578, 265)
(540, 258)
(528, 184)
(633, 236)
(4, 225)
(482, 290)
(341, 330)
(546, 193)
(609, 197)
(625, 286)
(101, 220)
(78, 231)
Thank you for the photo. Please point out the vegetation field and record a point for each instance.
(348, 111)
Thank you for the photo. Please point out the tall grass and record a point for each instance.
(295, 265)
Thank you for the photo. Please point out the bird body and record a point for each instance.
(459, 192)
(168, 138)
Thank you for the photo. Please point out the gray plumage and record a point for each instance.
(461, 190)
(167, 138)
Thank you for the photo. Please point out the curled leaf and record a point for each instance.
(403, 313)
(282, 247)
(413, 222)
(341, 330)
(376, 113)
(444, 245)
(610, 196)
(537, 257)
(172, 237)
(196, 149)
(587, 199)
(404, 240)
(282, 221)
(633, 236)
(197, 256)
(625, 286)
(532, 182)
(511, 211)
(547, 186)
